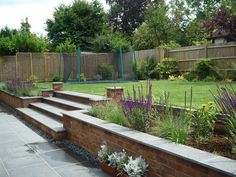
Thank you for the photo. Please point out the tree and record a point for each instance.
(143, 38)
(203, 9)
(126, 15)
(25, 26)
(22, 40)
(158, 22)
(78, 23)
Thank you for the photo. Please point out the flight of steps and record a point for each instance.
(47, 115)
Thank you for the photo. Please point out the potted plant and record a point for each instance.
(119, 164)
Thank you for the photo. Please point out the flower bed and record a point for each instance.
(198, 128)
(164, 157)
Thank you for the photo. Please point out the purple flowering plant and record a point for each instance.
(138, 108)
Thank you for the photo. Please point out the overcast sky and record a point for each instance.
(38, 11)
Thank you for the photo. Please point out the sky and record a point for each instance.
(37, 11)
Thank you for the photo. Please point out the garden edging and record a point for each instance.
(164, 157)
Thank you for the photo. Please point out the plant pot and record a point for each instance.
(123, 175)
(108, 169)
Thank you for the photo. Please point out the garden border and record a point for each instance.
(165, 158)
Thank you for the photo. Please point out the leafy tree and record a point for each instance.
(67, 47)
(143, 38)
(22, 40)
(25, 26)
(111, 42)
(78, 23)
(126, 16)
(158, 22)
(203, 9)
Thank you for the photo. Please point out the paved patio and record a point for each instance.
(23, 153)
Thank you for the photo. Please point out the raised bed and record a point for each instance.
(165, 158)
(17, 102)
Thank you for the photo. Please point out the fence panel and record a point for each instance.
(7, 68)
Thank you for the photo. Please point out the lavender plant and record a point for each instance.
(20, 88)
(138, 109)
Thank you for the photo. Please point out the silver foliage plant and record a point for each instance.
(136, 167)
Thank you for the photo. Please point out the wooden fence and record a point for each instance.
(224, 55)
(47, 65)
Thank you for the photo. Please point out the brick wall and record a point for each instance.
(161, 163)
(17, 102)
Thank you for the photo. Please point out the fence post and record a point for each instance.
(16, 65)
(31, 64)
(45, 68)
(206, 51)
(163, 53)
(78, 59)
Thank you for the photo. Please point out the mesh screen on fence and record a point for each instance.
(97, 67)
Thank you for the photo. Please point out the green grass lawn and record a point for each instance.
(201, 90)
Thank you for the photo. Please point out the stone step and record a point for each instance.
(66, 104)
(49, 110)
(80, 97)
(44, 122)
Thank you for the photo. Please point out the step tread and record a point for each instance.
(68, 102)
(84, 95)
(49, 108)
(43, 119)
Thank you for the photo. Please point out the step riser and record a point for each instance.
(61, 105)
(55, 135)
(74, 98)
(54, 116)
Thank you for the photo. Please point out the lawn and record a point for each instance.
(201, 90)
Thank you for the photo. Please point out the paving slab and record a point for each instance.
(23, 153)
(68, 103)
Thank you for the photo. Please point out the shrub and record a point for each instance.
(204, 68)
(167, 67)
(136, 167)
(105, 71)
(146, 69)
(203, 122)
(56, 78)
(190, 76)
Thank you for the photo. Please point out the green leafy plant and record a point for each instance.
(205, 68)
(145, 68)
(56, 78)
(66, 47)
(190, 76)
(168, 67)
(106, 71)
(203, 122)
(104, 153)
